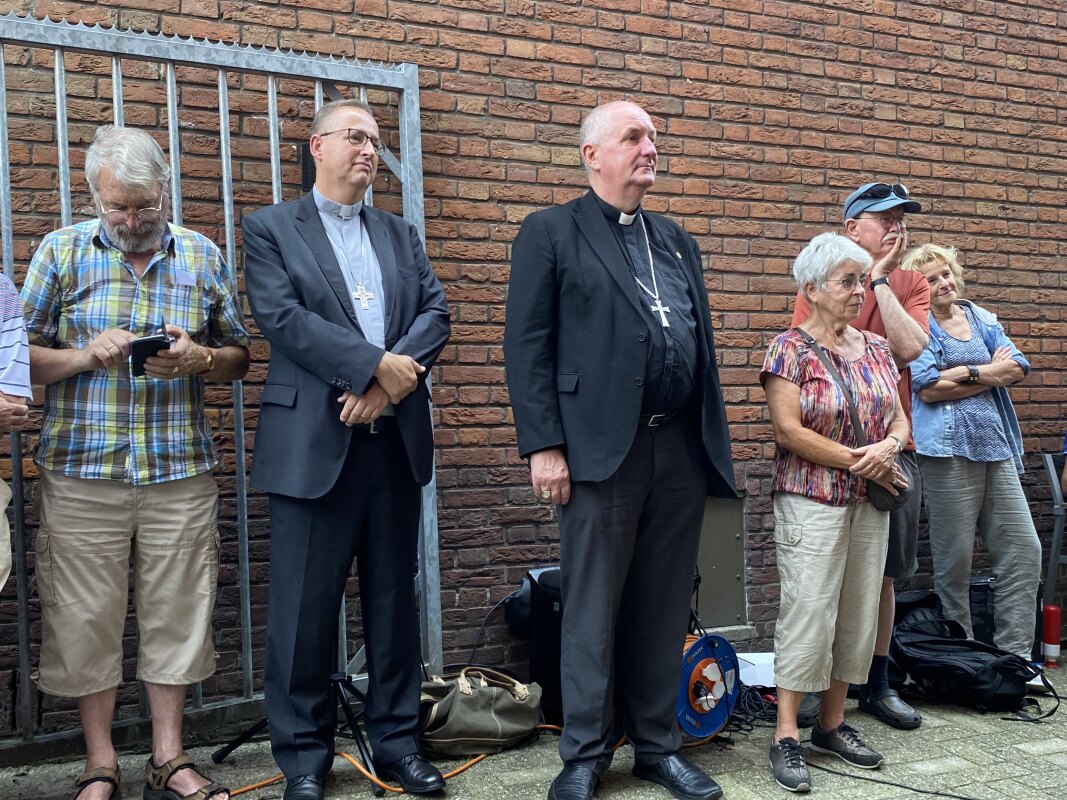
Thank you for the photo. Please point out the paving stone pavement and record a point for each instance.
(956, 751)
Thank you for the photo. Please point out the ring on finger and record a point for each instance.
(546, 493)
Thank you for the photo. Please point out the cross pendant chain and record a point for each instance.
(662, 310)
(657, 307)
(364, 296)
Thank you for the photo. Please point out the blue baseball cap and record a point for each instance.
(875, 197)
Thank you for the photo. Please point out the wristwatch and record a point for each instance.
(883, 281)
(210, 362)
(900, 444)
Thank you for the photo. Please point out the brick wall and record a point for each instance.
(769, 113)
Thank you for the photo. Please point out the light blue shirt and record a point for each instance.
(358, 262)
(359, 267)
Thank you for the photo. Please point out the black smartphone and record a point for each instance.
(146, 346)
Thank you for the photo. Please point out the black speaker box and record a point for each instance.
(546, 619)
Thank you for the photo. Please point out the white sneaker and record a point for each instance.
(1036, 685)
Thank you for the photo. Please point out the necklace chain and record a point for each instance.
(361, 294)
(654, 291)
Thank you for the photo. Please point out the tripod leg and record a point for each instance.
(342, 686)
(220, 755)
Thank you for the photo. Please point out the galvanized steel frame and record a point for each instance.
(171, 50)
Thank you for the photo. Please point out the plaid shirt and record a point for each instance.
(106, 424)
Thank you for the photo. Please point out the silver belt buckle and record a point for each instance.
(372, 429)
(654, 420)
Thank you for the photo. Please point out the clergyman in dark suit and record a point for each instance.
(355, 316)
(611, 371)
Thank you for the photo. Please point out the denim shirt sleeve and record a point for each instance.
(1002, 340)
(924, 369)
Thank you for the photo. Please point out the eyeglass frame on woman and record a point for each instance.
(375, 142)
(155, 211)
(850, 282)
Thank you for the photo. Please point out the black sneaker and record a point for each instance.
(808, 711)
(845, 743)
(787, 762)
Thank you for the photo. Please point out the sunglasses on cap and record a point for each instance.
(877, 191)
(882, 190)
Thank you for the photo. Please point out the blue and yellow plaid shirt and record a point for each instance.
(105, 423)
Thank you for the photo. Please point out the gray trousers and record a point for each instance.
(961, 494)
(628, 547)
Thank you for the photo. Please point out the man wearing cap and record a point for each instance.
(897, 307)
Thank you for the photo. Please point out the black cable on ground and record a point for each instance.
(869, 779)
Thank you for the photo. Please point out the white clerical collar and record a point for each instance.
(628, 219)
(338, 210)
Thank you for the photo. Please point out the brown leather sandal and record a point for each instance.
(156, 779)
(100, 775)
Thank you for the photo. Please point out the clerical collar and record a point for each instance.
(613, 214)
(341, 212)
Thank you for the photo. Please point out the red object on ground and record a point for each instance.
(1051, 639)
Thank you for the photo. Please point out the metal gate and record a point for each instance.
(165, 56)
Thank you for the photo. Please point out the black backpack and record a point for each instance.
(941, 664)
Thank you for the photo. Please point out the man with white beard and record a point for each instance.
(126, 461)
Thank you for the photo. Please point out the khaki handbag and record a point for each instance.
(475, 711)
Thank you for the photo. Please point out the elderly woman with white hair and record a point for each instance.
(830, 540)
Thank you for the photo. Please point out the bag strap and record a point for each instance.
(830, 368)
(1030, 703)
(490, 677)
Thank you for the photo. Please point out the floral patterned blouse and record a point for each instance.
(873, 380)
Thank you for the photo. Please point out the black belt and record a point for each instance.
(655, 420)
(377, 426)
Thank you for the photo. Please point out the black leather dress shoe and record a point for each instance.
(305, 787)
(681, 778)
(414, 773)
(574, 783)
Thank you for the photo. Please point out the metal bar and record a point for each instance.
(368, 196)
(275, 145)
(161, 47)
(174, 135)
(227, 166)
(6, 225)
(116, 90)
(24, 712)
(243, 571)
(62, 144)
(411, 151)
(244, 577)
(319, 91)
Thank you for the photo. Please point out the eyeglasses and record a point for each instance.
(850, 283)
(357, 138)
(880, 191)
(887, 221)
(116, 216)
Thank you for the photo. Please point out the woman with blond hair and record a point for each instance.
(970, 453)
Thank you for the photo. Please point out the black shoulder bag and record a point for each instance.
(880, 497)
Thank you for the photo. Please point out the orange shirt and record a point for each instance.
(913, 293)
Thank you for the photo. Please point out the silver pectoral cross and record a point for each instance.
(363, 296)
(662, 310)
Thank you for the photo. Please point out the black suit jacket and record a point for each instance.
(301, 304)
(576, 339)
